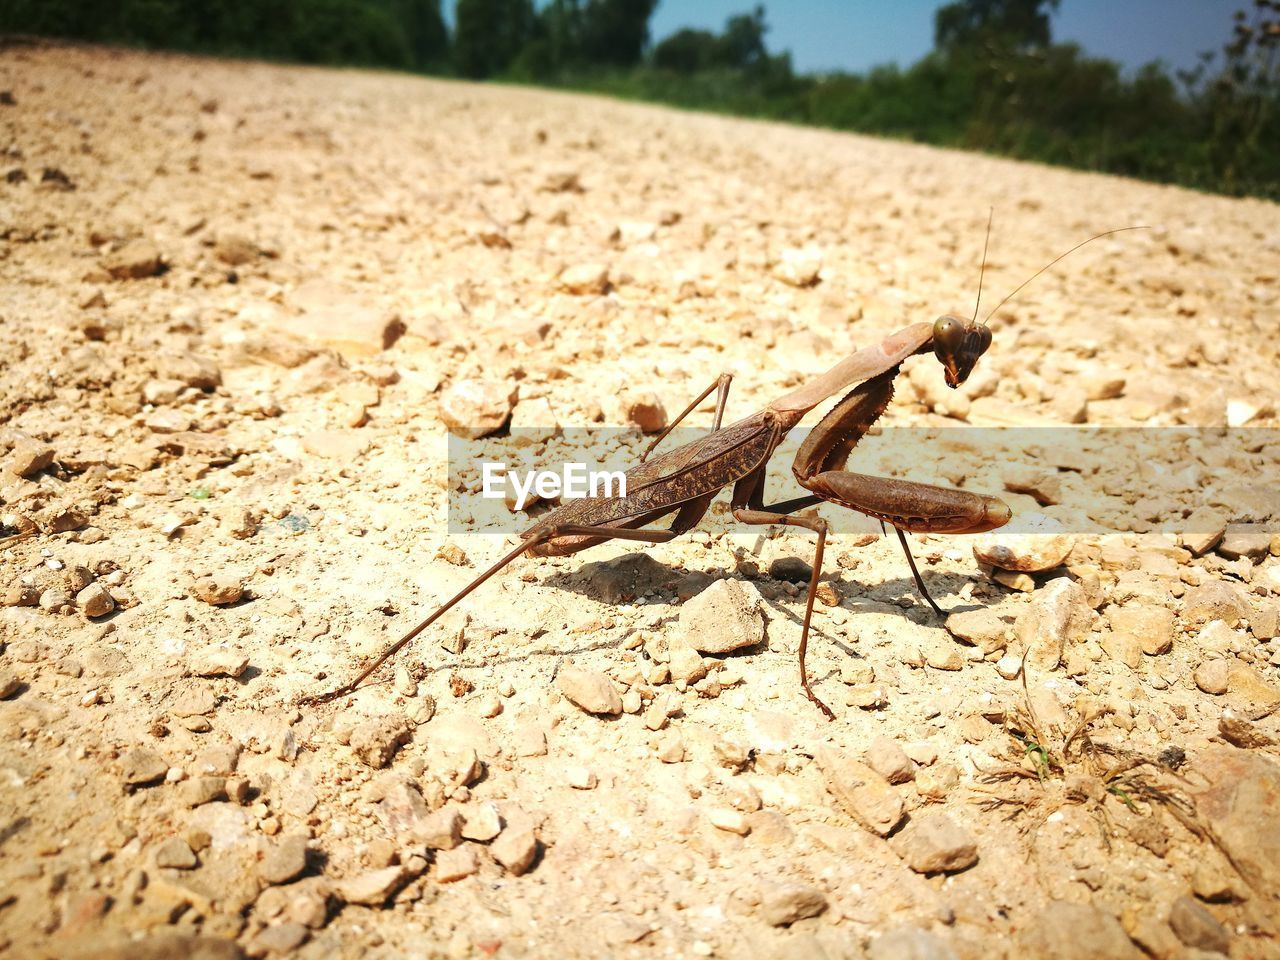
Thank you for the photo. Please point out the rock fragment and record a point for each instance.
(685, 665)
(95, 601)
(585, 279)
(726, 616)
(1076, 931)
(643, 409)
(1057, 615)
(1214, 600)
(887, 758)
(1211, 676)
(219, 590)
(1245, 540)
(934, 843)
(476, 408)
(9, 684)
(286, 860)
(276, 939)
(441, 830)
(589, 690)
(136, 260)
(909, 943)
(201, 790)
(1241, 733)
(372, 888)
(730, 821)
(1205, 527)
(143, 766)
(219, 662)
(481, 822)
(782, 904)
(376, 741)
(983, 628)
(515, 849)
(235, 249)
(456, 864)
(1151, 626)
(1043, 545)
(175, 854)
(1241, 802)
(1196, 927)
(861, 791)
(799, 266)
(29, 457)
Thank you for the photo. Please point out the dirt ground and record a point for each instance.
(239, 304)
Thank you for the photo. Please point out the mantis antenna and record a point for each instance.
(983, 269)
(1060, 256)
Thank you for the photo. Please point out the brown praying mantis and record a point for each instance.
(683, 482)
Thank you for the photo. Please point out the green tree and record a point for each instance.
(490, 34)
(615, 32)
(1007, 24)
(742, 43)
(1240, 106)
(424, 31)
(687, 51)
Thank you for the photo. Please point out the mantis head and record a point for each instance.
(958, 343)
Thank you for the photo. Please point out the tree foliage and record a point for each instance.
(393, 33)
(968, 25)
(490, 34)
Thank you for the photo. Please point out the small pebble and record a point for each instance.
(934, 843)
(9, 684)
(1009, 666)
(456, 864)
(731, 821)
(589, 690)
(175, 854)
(29, 457)
(371, 889)
(785, 903)
(286, 860)
(481, 822)
(405, 685)
(219, 590)
(515, 850)
(143, 766)
(219, 662)
(1211, 676)
(376, 741)
(671, 747)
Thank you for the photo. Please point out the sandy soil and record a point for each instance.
(238, 304)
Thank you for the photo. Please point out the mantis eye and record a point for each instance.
(984, 338)
(948, 337)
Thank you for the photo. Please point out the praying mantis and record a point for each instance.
(682, 483)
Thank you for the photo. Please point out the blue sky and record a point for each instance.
(857, 34)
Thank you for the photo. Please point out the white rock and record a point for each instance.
(476, 408)
(589, 690)
(799, 266)
(1057, 615)
(724, 617)
(1043, 545)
